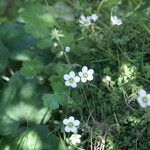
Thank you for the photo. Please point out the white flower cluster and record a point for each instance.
(71, 125)
(143, 99)
(85, 75)
(86, 21)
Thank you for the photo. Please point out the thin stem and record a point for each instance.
(62, 48)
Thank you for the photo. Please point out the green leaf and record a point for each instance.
(4, 55)
(64, 11)
(7, 125)
(21, 55)
(51, 101)
(60, 90)
(31, 138)
(37, 20)
(62, 69)
(57, 85)
(32, 68)
(22, 104)
(44, 42)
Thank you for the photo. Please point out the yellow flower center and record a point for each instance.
(70, 124)
(71, 80)
(145, 99)
(85, 75)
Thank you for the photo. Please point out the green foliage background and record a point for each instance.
(35, 100)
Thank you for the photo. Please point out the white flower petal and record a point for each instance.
(84, 69)
(67, 129)
(77, 79)
(90, 71)
(65, 121)
(142, 92)
(71, 119)
(76, 122)
(66, 77)
(148, 96)
(78, 135)
(78, 141)
(67, 83)
(90, 78)
(116, 21)
(83, 17)
(72, 74)
(73, 129)
(94, 17)
(80, 74)
(83, 79)
(73, 85)
(141, 103)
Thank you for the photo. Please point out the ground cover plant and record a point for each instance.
(74, 75)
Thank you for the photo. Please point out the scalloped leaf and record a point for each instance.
(51, 101)
(31, 138)
(37, 20)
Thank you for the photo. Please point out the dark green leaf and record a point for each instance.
(51, 101)
(4, 55)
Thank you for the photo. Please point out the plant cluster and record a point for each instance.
(74, 75)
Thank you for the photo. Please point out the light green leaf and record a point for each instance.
(7, 125)
(32, 68)
(31, 138)
(22, 104)
(37, 20)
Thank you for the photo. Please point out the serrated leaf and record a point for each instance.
(37, 20)
(57, 85)
(62, 69)
(32, 68)
(51, 101)
(60, 90)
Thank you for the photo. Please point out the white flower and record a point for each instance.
(116, 21)
(75, 139)
(85, 21)
(55, 44)
(143, 99)
(86, 75)
(71, 79)
(71, 124)
(67, 49)
(94, 17)
(56, 34)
